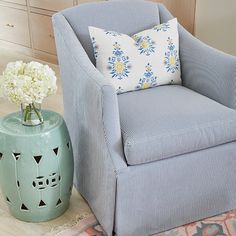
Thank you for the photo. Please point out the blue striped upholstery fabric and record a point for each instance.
(81, 17)
(172, 120)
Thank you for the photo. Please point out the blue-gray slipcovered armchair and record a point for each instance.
(150, 160)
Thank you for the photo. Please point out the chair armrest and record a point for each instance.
(90, 101)
(205, 69)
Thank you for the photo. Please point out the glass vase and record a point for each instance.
(31, 114)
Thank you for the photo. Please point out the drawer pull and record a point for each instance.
(51, 36)
(10, 25)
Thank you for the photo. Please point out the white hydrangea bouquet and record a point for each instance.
(28, 84)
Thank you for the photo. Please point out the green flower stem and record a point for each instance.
(29, 113)
(37, 113)
(26, 113)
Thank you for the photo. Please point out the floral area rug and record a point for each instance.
(222, 225)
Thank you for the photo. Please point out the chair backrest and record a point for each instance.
(126, 17)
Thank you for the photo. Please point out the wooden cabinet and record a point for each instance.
(184, 10)
(42, 33)
(21, 2)
(52, 5)
(14, 26)
(89, 1)
(26, 25)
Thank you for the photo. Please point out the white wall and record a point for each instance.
(215, 24)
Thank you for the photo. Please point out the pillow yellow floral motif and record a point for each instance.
(147, 59)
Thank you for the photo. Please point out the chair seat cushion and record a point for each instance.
(170, 120)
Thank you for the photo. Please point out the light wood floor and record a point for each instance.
(9, 226)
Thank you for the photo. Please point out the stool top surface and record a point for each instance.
(11, 124)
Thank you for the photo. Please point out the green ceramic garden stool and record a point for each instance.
(36, 167)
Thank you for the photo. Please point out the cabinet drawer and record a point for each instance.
(87, 1)
(53, 5)
(14, 26)
(42, 33)
(21, 2)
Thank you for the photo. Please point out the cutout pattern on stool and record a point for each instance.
(55, 150)
(42, 182)
(1, 156)
(58, 202)
(54, 180)
(42, 203)
(16, 155)
(37, 159)
(23, 207)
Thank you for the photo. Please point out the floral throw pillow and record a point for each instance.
(147, 59)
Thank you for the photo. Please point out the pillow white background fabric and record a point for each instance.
(147, 59)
